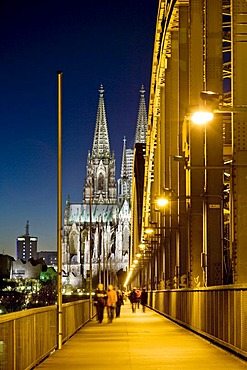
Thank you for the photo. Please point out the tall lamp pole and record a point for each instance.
(81, 268)
(59, 209)
(90, 256)
(99, 246)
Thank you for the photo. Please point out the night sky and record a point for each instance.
(107, 42)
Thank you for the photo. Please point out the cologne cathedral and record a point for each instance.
(96, 235)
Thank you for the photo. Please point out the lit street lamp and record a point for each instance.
(201, 117)
(213, 105)
(162, 202)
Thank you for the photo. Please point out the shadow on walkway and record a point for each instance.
(146, 341)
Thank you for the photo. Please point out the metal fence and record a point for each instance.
(218, 313)
(27, 337)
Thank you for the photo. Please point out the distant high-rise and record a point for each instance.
(26, 246)
(124, 183)
(129, 163)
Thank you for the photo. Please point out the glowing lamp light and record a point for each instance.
(149, 230)
(142, 246)
(202, 117)
(162, 202)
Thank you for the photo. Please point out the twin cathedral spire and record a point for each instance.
(100, 183)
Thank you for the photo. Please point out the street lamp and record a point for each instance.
(149, 230)
(141, 246)
(159, 203)
(213, 104)
(201, 117)
(213, 101)
(162, 202)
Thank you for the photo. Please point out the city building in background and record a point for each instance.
(27, 269)
(49, 257)
(26, 245)
(6, 263)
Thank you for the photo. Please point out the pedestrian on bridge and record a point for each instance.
(144, 299)
(111, 302)
(100, 299)
(138, 295)
(133, 299)
(119, 302)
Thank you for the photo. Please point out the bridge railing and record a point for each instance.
(218, 313)
(27, 337)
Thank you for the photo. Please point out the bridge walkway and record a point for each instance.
(134, 341)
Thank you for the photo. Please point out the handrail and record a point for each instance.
(27, 337)
(216, 313)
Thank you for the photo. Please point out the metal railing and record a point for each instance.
(217, 313)
(27, 337)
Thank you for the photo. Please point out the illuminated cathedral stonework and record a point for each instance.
(103, 213)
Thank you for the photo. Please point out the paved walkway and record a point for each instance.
(146, 341)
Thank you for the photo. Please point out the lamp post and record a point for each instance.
(212, 200)
(90, 256)
(80, 248)
(146, 251)
(59, 209)
(99, 247)
(155, 209)
(213, 104)
(207, 268)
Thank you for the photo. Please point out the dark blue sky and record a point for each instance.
(107, 42)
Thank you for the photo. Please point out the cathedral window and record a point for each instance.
(101, 182)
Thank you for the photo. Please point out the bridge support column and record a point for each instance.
(196, 176)
(239, 129)
(183, 106)
(213, 193)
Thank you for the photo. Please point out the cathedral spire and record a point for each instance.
(100, 183)
(141, 129)
(101, 146)
(124, 160)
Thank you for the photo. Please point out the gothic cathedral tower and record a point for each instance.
(101, 166)
(101, 216)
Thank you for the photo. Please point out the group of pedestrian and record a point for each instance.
(111, 299)
(138, 297)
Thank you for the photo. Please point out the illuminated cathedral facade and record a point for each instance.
(96, 233)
